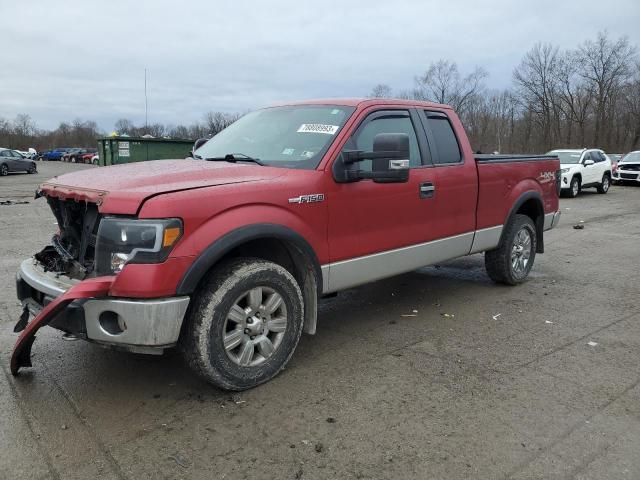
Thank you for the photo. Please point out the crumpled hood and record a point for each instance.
(123, 188)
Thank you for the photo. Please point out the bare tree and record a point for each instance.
(218, 121)
(381, 90)
(606, 65)
(124, 126)
(442, 83)
(536, 81)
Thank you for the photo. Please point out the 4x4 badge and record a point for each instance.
(312, 198)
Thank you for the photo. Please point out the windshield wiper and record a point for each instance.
(234, 157)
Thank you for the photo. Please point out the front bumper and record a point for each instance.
(626, 176)
(140, 325)
(565, 181)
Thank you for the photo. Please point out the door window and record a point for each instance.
(385, 122)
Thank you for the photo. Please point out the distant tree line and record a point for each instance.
(22, 132)
(583, 97)
(588, 96)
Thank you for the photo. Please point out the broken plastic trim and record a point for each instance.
(94, 287)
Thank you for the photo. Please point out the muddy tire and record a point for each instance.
(603, 186)
(243, 324)
(512, 261)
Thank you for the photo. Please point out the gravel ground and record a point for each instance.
(536, 381)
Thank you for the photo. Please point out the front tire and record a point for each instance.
(243, 324)
(512, 261)
(4, 170)
(574, 187)
(603, 187)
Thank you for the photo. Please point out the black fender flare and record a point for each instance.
(223, 245)
(524, 197)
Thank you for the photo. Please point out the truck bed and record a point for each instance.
(503, 178)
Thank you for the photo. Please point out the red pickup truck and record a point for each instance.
(227, 254)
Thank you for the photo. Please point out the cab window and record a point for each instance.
(444, 138)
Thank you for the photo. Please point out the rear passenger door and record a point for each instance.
(603, 165)
(454, 175)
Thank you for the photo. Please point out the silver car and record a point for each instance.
(13, 161)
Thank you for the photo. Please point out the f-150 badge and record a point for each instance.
(312, 198)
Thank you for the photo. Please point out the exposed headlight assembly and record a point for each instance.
(129, 240)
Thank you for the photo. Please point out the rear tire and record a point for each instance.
(603, 187)
(243, 324)
(511, 262)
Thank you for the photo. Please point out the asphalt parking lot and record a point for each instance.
(434, 374)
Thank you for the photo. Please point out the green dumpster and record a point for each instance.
(116, 150)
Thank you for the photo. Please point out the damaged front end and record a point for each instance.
(72, 249)
(67, 285)
(64, 264)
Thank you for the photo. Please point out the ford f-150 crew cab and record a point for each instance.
(227, 254)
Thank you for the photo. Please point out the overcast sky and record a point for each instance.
(85, 59)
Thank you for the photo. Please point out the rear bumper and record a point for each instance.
(140, 325)
(551, 220)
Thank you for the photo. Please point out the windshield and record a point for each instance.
(631, 157)
(292, 137)
(567, 157)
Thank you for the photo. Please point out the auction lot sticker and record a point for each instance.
(318, 128)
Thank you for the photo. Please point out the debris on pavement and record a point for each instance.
(495, 317)
(408, 315)
(319, 447)
(448, 315)
(592, 343)
(12, 202)
(578, 226)
(180, 460)
(549, 322)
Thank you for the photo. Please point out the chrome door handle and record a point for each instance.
(427, 190)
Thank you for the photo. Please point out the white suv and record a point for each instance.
(583, 168)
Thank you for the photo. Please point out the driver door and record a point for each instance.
(590, 172)
(370, 219)
(18, 161)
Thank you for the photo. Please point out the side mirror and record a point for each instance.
(389, 161)
(588, 162)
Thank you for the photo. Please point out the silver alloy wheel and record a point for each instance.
(575, 188)
(521, 251)
(4, 170)
(255, 326)
(605, 183)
